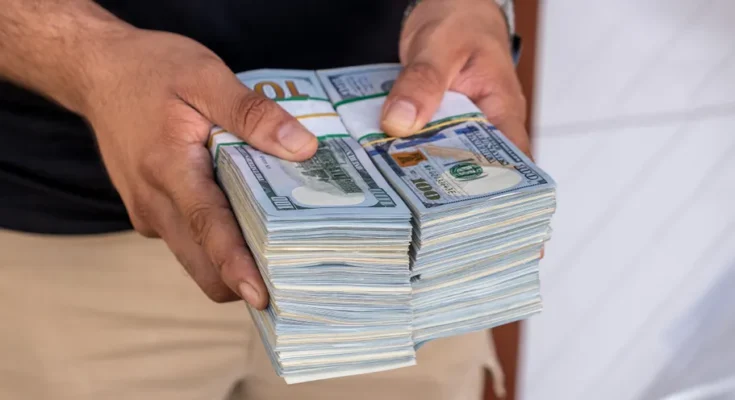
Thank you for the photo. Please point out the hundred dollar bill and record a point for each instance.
(330, 237)
(337, 180)
(480, 207)
(459, 157)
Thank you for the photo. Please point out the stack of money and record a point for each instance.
(330, 238)
(481, 209)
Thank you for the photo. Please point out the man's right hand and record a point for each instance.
(151, 98)
(154, 98)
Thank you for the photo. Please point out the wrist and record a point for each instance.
(95, 66)
(89, 64)
(505, 6)
(497, 17)
(53, 48)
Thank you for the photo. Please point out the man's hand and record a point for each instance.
(463, 46)
(151, 98)
(458, 45)
(155, 99)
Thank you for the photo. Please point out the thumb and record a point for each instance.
(259, 121)
(416, 95)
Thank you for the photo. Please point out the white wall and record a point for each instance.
(636, 122)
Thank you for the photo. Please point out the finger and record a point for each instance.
(212, 225)
(508, 116)
(419, 90)
(190, 255)
(262, 123)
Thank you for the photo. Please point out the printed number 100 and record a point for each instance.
(424, 187)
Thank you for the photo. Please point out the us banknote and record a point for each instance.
(481, 208)
(337, 180)
(330, 237)
(459, 157)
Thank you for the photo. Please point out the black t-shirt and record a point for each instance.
(52, 179)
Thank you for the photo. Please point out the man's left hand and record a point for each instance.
(462, 46)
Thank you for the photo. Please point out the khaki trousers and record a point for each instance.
(114, 316)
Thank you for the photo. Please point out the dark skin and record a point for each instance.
(152, 97)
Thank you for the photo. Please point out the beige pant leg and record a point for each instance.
(115, 317)
(447, 369)
(111, 317)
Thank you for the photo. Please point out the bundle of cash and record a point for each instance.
(330, 238)
(481, 209)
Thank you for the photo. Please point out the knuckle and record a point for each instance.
(220, 294)
(497, 109)
(512, 106)
(424, 75)
(494, 48)
(207, 280)
(503, 110)
(144, 229)
(221, 265)
(253, 111)
(227, 263)
(150, 165)
(508, 88)
(214, 289)
(504, 106)
(200, 220)
(207, 67)
(140, 218)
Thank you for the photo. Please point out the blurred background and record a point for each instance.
(634, 117)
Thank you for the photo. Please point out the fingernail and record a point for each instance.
(294, 137)
(401, 115)
(249, 294)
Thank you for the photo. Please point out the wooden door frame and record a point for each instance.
(507, 337)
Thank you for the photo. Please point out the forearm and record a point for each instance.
(52, 46)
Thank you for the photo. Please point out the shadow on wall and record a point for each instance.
(704, 339)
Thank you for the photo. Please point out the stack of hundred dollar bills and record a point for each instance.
(481, 209)
(330, 238)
